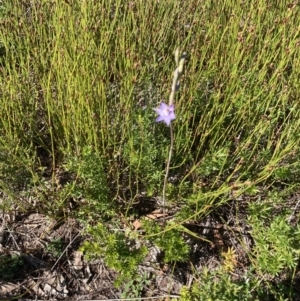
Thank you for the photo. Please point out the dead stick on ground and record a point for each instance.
(64, 251)
(132, 299)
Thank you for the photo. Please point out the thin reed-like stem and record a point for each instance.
(175, 86)
(168, 168)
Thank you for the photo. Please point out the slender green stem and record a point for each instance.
(175, 86)
(168, 168)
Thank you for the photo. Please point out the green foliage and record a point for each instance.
(145, 151)
(96, 83)
(218, 286)
(119, 251)
(90, 184)
(170, 241)
(55, 247)
(17, 173)
(2, 9)
(213, 163)
(10, 266)
(15, 167)
(2, 13)
(276, 247)
(135, 287)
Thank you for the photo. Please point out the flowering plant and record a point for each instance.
(166, 113)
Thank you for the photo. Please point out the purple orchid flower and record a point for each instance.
(166, 113)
